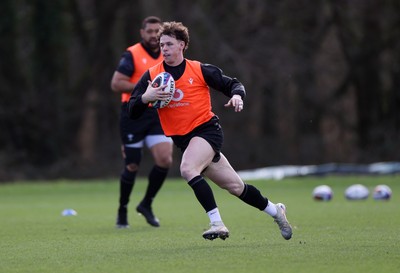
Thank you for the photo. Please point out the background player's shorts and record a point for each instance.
(146, 130)
(211, 131)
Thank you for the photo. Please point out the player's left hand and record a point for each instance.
(236, 102)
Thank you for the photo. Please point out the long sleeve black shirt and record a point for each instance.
(213, 76)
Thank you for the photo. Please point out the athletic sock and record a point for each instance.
(271, 209)
(203, 193)
(156, 178)
(127, 181)
(214, 215)
(252, 196)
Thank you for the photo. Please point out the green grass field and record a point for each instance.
(336, 236)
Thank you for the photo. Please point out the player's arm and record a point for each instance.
(136, 105)
(120, 81)
(217, 80)
(231, 87)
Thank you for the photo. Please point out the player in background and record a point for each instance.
(143, 131)
(196, 130)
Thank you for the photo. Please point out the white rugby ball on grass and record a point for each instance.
(356, 192)
(322, 193)
(164, 78)
(382, 192)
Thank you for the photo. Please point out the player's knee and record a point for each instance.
(132, 167)
(187, 172)
(164, 161)
(184, 173)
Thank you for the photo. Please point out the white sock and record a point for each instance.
(214, 215)
(271, 209)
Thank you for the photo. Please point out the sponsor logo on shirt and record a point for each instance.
(175, 101)
(178, 95)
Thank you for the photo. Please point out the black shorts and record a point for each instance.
(135, 130)
(211, 131)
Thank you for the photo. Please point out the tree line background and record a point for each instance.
(322, 80)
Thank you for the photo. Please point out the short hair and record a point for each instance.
(151, 20)
(176, 30)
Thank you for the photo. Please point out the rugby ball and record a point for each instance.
(164, 78)
(382, 192)
(322, 193)
(356, 192)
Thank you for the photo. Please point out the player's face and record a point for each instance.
(149, 35)
(172, 50)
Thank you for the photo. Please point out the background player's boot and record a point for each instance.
(122, 218)
(148, 214)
